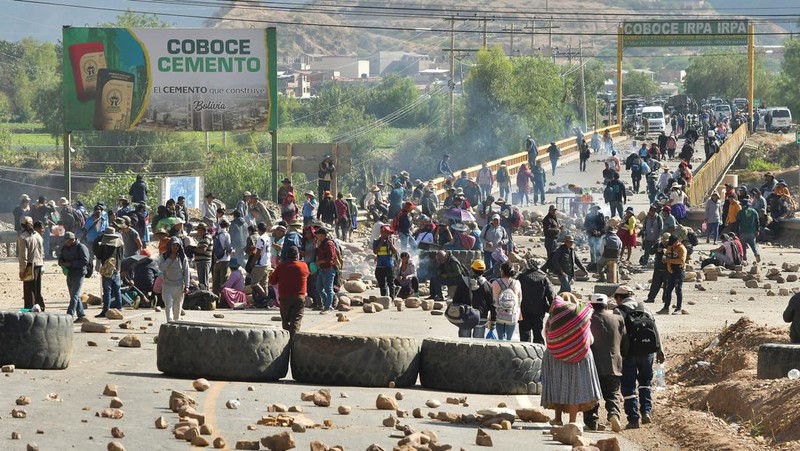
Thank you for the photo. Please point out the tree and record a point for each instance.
(131, 19)
(789, 78)
(638, 83)
(725, 75)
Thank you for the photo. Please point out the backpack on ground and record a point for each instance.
(516, 218)
(507, 302)
(641, 329)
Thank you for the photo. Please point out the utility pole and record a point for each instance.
(583, 81)
(452, 81)
(532, 27)
(485, 39)
(511, 33)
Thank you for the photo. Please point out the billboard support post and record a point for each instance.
(68, 165)
(751, 79)
(619, 76)
(274, 134)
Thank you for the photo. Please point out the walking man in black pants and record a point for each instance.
(537, 295)
(659, 268)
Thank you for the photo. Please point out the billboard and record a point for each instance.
(189, 187)
(164, 79)
(683, 33)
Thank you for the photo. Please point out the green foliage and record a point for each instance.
(789, 78)
(234, 172)
(113, 184)
(725, 75)
(637, 83)
(507, 99)
(26, 67)
(131, 19)
(761, 165)
(48, 104)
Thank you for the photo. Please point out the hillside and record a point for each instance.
(599, 19)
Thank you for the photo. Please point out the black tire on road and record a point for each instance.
(775, 360)
(482, 366)
(223, 351)
(607, 289)
(355, 360)
(41, 341)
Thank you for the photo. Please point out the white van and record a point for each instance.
(654, 115)
(781, 119)
(722, 111)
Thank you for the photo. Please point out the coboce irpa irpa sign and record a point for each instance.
(169, 79)
(670, 33)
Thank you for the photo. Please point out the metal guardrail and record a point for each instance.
(567, 146)
(708, 177)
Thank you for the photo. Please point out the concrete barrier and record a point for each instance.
(9, 238)
(776, 359)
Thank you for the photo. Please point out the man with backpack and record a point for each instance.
(503, 181)
(614, 194)
(493, 237)
(328, 262)
(109, 251)
(74, 259)
(474, 298)
(537, 295)
(222, 256)
(636, 173)
(539, 182)
(447, 271)
(637, 363)
(610, 342)
(610, 251)
(659, 279)
(675, 258)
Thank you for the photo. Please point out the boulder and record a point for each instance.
(533, 415)
(279, 442)
(369, 307)
(384, 301)
(130, 341)
(384, 402)
(95, 328)
(483, 439)
(427, 305)
(751, 284)
(413, 303)
(608, 444)
(566, 434)
(355, 286)
(114, 314)
(201, 384)
(322, 398)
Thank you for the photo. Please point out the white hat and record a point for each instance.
(598, 299)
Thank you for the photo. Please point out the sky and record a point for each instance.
(44, 22)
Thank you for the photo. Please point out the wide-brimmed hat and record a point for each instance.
(782, 182)
(69, 236)
(374, 189)
(310, 193)
(500, 201)
(63, 201)
(350, 197)
(404, 173)
(675, 185)
(569, 238)
(623, 290)
(201, 225)
(321, 231)
(286, 180)
(459, 227)
(24, 197)
(769, 174)
(247, 194)
(26, 220)
(328, 194)
(119, 222)
(110, 231)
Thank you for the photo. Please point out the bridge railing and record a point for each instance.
(706, 180)
(567, 146)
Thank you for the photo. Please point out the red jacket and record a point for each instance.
(326, 254)
(290, 276)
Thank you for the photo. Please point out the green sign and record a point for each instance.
(163, 79)
(672, 33)
(797, 136)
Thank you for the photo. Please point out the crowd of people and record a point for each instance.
(277, 255)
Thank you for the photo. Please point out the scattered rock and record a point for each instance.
(451, 400)
(608, 444)
(391, 421)
(95, 328)
(316, 445)
(15, 436)
(18, 413)
(770, 293)
(91, 344)
(32, 447)
(130, 341)
(427, 305)
(417, 413)
(206, 429)
(322, 398)
(791, 278)
(115, 446)
(7, 368)
(190, 412)
(307, 396)
(384, 402)
(439, 305)
(413, 303)
(483, 439)
(219, 315)
(126, 325)
(244, 444)
(200, 441)
(298, 428)
(114, 414)
(399, 396)
(343, 318)
(533, 415)
(369, 307)
(295, 409)
(344, 410)
(23, 401)
(751, 284)
(566, 434)
(279, 442)
(201, 384)
(161, 423)
(219, 443)
(580, 440)
(437, 312)
(114, 314)
(384, 301)
(233, 404)
(738, 311)
(783, 292)
(177, 400)
(277, 408)
(433, 403)
(117, 432)
(116, 403)
(374, 447)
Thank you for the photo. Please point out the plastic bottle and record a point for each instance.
(661, 377)
(794, 374)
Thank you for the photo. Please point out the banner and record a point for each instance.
(684, 33)
(190, 188)
(164, 79)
